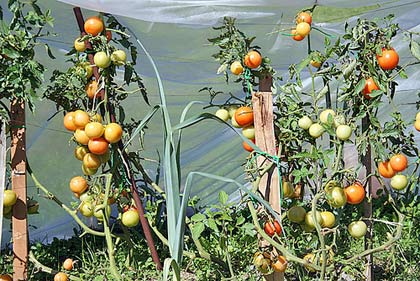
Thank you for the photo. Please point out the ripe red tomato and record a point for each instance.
(253, 59)
(389, 59)
(355, 193)
(271, 228)
(370, 86)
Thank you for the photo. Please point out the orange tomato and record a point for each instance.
(296, 36)
(385, 170)
(244, 116)
(5, 277)
(304, 17)
(69, 121)
(81, 118)
(253, 59)
(91, 89)
(68, 264)
(355, 193)
(389, 59)
(370, 86)
(303, 28)
(247, 147)
(280, 265)
(78, 184)
(60, 276)
(98, 146)
(81, 137)
(91, 161)
(398, 162)
(113, 132)
(94, 25)
(94, 130)
(80, 152)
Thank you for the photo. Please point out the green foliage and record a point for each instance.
(22, 75)
(67, 89)
(234, 45)
(225, 233)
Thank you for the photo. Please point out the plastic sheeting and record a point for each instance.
(175, 34)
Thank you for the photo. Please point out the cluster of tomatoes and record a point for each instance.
(387, 60)
(240, 117)
(94, 26)
(93, 139)
(265, 262)
(303, 26)
(391, 169)
(252, 60)
(327, 117)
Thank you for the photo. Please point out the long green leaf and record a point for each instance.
(170, 163)
(167, 264)
(142, 124)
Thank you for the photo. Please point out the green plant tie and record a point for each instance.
(247, 77)
(276, 160)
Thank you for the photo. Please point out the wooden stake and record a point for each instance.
(367, 205)
(262, 103)
(19, 219)
(3, 159)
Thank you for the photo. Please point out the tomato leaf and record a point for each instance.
(403, 74)
(415, 49)
(198, 217)
(223, 197)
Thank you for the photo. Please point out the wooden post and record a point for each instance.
(367, 206)
(3, 158)
(18, 168)
(262, 103)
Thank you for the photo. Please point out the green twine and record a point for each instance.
(276, 160)
(17, 126)
(247, 77)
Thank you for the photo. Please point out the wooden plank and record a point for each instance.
(262, 103)
(18, 168)
(2, 171)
